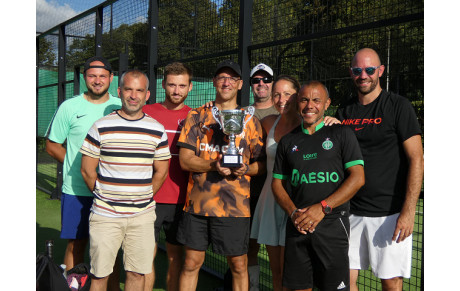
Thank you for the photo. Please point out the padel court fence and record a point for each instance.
(307, 39)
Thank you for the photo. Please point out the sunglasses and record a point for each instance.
(369, 70)
(266, 80)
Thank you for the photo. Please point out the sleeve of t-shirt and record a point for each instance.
(405, 119)
(92, 144)
(188, 134)
(59, 127)
(162, 150)
(351, 152)
(280, 168)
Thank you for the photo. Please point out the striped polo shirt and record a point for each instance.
(126, 150)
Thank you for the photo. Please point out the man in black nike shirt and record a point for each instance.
(383, 211)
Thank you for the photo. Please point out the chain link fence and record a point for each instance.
(307, 39)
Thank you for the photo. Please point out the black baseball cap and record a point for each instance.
(228, 64)
(106, 63)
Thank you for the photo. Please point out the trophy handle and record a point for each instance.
(216, 115)
(251, 112)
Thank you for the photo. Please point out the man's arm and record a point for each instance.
(56, 150)
(414, 153)
(192, 163)
(160, 172)
(309, 217)
(88, 170)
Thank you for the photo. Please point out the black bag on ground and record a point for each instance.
(49, 275)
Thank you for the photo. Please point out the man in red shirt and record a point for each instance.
(170, 199)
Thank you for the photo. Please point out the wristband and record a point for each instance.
(247, 169)
(293, 212)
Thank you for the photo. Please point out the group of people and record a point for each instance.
(326, 196)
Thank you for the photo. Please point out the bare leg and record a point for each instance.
(134, 281)
(253, 252)
(75, 252)
(276, 258)
(114, 278)
(191, 268)
(393, 284)
(239, 267)
(150, 278)
(99, 284)
(354, 279)
(253, 265)
(176, 259)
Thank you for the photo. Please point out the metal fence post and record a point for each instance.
(98, 36)
(152, 57)
(245, 34)
(56, 194)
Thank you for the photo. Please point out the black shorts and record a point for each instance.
(229, 236)
(319, 259)
(168, 217)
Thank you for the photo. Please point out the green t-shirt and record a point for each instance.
(71, 122)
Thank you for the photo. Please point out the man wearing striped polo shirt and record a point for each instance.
(131, 150)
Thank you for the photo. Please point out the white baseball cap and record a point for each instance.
(261, 67)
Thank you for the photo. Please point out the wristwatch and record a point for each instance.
(326, 208)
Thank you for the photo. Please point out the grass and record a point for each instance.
(48, 227)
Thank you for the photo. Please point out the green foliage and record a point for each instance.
(46, 53)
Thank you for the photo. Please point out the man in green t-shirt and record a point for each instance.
(70, 124)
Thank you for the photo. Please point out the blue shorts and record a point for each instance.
(75, 216)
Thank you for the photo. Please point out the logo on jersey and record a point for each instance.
(294, 149)
(362, 121)
(327, 144)
(310, 156)
(298, 178)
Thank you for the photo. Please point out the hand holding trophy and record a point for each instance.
(232, 123)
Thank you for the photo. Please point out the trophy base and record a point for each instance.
(232, 161)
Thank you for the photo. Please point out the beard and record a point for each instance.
(97, 94)
(177, 99)
(367, 90)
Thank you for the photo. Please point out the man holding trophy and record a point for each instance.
(221, 147)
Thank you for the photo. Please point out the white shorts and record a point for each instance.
(371, 244)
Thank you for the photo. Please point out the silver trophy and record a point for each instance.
(232, 123)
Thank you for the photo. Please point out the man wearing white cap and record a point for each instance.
(261, 83)
(261, 80)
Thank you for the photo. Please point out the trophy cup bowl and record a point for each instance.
(232, 123)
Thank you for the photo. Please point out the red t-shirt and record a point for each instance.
(174, 188)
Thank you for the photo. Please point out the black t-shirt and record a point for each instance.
(315, 165)
(381, 127)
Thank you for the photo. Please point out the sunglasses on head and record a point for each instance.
(369, 70)
(265, 80)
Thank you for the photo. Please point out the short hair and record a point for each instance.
(292, 80)
(135, 73)
(178, 68)
(316, 83)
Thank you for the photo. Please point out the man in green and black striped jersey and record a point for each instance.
(125, 161)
